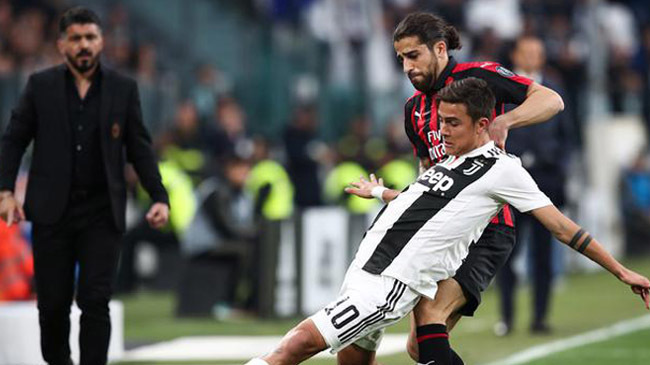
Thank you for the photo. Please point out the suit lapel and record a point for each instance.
(104, 113)
(61, 102)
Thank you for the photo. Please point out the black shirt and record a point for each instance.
(84, 117)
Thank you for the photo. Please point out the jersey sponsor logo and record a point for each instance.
(437, 180)
(504, 72)
(437, 149)
(445, 184)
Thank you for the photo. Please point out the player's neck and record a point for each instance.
(442, 64)
(443, 61)
(480, 141)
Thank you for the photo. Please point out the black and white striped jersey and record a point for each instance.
(423, 235)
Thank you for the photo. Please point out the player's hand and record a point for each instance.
(363, 188)
(10, 210)
(498, 131)
(639, 284)
(158, 215)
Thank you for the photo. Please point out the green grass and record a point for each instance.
(631, 349)
(580, 304)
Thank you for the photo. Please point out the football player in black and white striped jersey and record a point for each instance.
(422, 235)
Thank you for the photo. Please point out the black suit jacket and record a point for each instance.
(41, 117)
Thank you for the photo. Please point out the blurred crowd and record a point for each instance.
(225, 174)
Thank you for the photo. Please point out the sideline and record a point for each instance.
(602, 334)
(211, 348)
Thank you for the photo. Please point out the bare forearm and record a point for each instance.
(540, 105)
(569, 233)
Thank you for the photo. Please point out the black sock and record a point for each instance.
(433, 345)
(455, 359)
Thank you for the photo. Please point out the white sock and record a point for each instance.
(257, 362)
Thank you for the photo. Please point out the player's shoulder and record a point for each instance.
(501, 156)
(412, 98)
(493, 72)
(483, 66)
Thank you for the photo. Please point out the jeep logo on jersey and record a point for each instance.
(437, 180)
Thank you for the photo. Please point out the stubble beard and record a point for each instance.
(426, 85)
(82, 66)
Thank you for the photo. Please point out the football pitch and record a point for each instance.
(582, 303)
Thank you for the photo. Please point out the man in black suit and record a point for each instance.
(85, 121)
(545, 151)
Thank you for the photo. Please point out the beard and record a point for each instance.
(82, 66)
(424, 84)
(426, 81)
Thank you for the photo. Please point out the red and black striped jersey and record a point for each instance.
(421, 116)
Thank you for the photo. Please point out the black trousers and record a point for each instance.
(540, 246)
(85, 236)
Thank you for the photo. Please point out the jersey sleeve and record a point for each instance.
(420, 149)
(508, 87)
(517, 188)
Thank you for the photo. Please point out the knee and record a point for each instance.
(299, 344)
(354, 355)
(97, 304)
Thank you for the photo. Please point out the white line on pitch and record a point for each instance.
(602, 334)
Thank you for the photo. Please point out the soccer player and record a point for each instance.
(422, 235)
(422, 42)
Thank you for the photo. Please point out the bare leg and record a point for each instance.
(355, 355)
(442, 310)
(298, 345)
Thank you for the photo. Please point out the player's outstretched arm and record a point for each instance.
(541, 104)
(372, 188)
(568, 232)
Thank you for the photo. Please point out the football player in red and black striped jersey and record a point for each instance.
(422, 42)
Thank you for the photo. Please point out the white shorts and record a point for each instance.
(367, 303)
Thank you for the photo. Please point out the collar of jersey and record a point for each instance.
(478, 151)
(440, 81)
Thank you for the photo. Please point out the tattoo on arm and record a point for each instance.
(585, 242)
(576, 237)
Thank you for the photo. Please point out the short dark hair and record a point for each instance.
(429, 28)
(77, 15)
(474, 93)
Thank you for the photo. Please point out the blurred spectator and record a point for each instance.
(227, 136)
(209, 85)
(338, 179)
(304, 152)
(222, 237)
(396, 144)
(544, 150)
(166, 242)
(358, 145)
(635, 201)
(185, 143)
(567, 51)
(269, 184)
(642, 66)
